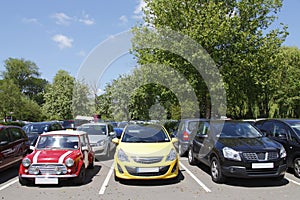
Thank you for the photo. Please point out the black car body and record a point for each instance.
(14, 146)
(33, 130)
(286, 132)
(185, 127)
(236, 149)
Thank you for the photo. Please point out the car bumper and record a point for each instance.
(147, 172)
(249, 172)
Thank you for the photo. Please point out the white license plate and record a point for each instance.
(148, 169)
(46, 180)
(262, 165)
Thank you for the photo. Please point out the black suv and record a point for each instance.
(286, 132)
(14, 146)
(236, 149)
(34, 129)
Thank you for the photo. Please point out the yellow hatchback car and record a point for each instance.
(145, 151)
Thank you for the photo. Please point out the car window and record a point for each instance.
(4, 136)
(192, 125)
(147, 134)
(15, 134)
(58, 142)
(83, 140)
(93, 129)
(236, 130)
(296, 127)
(280, 130)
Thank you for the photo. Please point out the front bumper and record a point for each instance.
(147, 172)
(247, 171)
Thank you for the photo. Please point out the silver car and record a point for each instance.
(100, 136)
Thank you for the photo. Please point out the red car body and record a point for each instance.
(57, 155)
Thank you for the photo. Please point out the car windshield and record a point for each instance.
(236, 130)
(93, 129)
(296, 126)
(145, 133)
(38, 128)
(57, 142)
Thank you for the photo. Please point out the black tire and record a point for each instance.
(80, 180)
(191, 158)
(92, 164)
(216, 171)
(296, 166)
(180, 151)
(24, 181)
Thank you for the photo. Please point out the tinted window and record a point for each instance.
(148, 134)
(235, 130)
(15, 134)
(295, 126)
(4, 135)
(93, 129)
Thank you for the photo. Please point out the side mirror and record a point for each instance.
(112, 133)
(31, 147)
(116, 140)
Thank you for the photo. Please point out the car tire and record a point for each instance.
(296, 166)
(24, 181)
(191, 158)
(80, 180)
(92, 164)
(180, 151)
(216, 171)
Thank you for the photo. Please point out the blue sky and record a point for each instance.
(60, 34)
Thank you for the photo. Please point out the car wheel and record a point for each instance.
(191, 158)
(81, 177)
(297, 167)
(216, 171)
(180, 151)
(92, 164)
(24, 181)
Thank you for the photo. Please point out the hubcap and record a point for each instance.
(214, 169)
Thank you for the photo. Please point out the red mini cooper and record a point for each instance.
(58, 155)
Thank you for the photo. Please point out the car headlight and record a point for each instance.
(172, 155)
(69, 162)
(122, 156)
(282, 152)
(101, 143)
(26, 162)
(231, 154)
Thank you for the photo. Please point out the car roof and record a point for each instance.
(65, 132)
(8, 126)
(95, 123)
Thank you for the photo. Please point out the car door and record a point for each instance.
(6, 149)
(111, 136)
(200, 147)
(17, 141)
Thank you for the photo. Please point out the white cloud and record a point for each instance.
(85, 19)
(63, 41)
(30, 21)
(138, 11)
(123, 19)
(62, 19)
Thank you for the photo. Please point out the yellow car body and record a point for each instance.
(146, 160)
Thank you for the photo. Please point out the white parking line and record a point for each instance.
(195, 178)
(105, 183)
(8, 184)
(295, 182)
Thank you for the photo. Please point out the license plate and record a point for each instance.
(148, 169)
(46, 180)
(262, 165)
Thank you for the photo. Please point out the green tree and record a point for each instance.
(58, 97)
(25, 75)
(237, 36)
(10, 98)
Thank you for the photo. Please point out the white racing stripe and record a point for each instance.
(105, 183)
(195, 178)
(62, 157)
(35, 157)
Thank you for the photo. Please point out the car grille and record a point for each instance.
(47, 169)
(133, 171)
(147, 160)
(260, 156)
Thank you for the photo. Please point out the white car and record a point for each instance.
(100, 136)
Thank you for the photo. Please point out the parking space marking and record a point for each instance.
(195, 178)
(105, 183)
(8, 184)
(295, 182)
